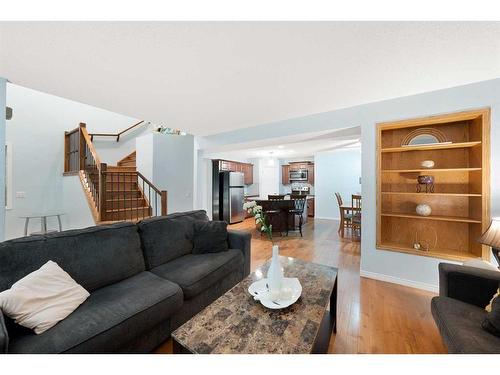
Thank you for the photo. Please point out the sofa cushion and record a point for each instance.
(94, 257)
(491, 322)
(43, 298)
(4, 335)
(110, 317)
(209, 237)
(460, 327)
(196, 273)
(168, 237)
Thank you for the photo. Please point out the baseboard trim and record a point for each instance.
(397, 280)
(327, 218)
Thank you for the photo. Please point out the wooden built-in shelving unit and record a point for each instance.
(460, 201)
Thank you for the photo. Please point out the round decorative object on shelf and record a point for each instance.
(427, 164)
(427, 181)
(423, 209)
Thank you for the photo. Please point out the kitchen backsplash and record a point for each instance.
(287, 189)
(252, 189)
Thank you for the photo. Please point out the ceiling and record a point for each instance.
(210, 77)
(291, 147)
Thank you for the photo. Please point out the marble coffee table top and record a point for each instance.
(236, 323)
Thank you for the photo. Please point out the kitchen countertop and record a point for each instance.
(265, 198)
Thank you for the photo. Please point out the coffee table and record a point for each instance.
(236, 323)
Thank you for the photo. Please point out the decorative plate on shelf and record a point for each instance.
(291, 292)
(424, 137)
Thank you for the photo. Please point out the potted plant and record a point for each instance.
(260, 218)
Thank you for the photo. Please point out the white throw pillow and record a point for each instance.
(43, 298)
(479, 263)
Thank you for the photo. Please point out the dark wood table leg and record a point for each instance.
(328, 325)
(333, 307)
(178, 348)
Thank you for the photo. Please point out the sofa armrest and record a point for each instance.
(4, 335)
(468, 284)
(241, 240)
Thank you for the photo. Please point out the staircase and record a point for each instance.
(114, 193)
(127, 161)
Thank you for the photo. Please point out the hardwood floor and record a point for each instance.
(373, 316)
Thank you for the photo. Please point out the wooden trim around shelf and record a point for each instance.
(444, 146)
(435, 253)
(428, 170)
(457, 219)
(436, 119)
(431, 194)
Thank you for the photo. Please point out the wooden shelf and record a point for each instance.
(431, 170)
(460, 207)
(431, 194)
(445, 146)
(433, 217)
(434, 253)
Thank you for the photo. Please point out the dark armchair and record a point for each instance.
(458, 311)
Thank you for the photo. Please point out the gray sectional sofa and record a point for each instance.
(143, 279)
(459, 309)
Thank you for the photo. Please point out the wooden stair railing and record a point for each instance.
(114, 193)
(117, 135)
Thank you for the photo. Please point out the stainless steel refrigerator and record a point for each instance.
(231, 197)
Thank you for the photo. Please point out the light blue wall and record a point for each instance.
(168, 162)
(3, 94)
(336, 171)
(35, 134)
(404, 268)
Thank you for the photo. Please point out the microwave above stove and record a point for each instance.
(300, 175)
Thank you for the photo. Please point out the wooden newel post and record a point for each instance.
(163, 202)
(81, 148)
(103, 167)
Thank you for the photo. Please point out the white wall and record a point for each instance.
(3, 92)
(407, 269)
(336, 171)
(168, 162)
(269, 176)
(36, 133)
(110, 151)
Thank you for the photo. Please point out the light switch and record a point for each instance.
(20, 194)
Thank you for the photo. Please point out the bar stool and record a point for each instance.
(273, 213)
(299, 201)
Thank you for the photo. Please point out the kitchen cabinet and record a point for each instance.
(285, 174)
(234, 166)
(310, 174)
(247, 170)
(310, 207)
(296, 166)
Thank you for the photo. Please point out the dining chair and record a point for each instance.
(299, 202)
(356, 201)
(273, 213)
(356, 215)
(345, 216)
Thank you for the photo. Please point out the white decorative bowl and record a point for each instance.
(291, 292)
(427, 164)
(423, 209)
